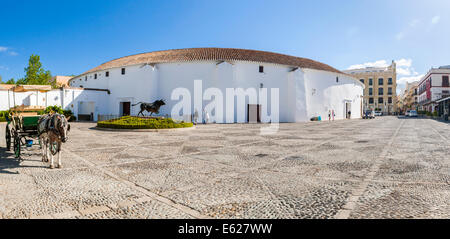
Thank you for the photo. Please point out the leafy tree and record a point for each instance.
(1, 82)
(21, 81)
(11, 81)
(35, 74)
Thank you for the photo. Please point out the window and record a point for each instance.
(85, 78)
(123, 71)
(261, 69)
(370, 100)
(362, 81)
(95, 76)
(380, 91)
(445, 81)
(337, 79)
(380, 100)
(370, 81)
(370, 91)
(390, 100)
(107, 74)
(390, 81)
(380, 81)
(389, 91)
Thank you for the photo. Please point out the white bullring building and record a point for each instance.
(306, 88)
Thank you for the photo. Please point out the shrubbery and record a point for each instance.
(132, 122)
(55, 109)
(59, 110)
(3, 115)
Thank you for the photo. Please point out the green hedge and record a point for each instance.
(2, 119)
(132, 122)
(59, 110)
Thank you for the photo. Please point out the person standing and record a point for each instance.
(195, 117)
(333, 114)
(207, 117)
(329, 115)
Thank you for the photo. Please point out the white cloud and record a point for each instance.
(404, 66)
(404, 62)
(409, 79)
(8, 51)
(380, 63)
(435, 19)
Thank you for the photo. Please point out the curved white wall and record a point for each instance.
(303, 93)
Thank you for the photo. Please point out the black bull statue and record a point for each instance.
(150, 107)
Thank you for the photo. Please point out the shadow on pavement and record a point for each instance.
(8, 161)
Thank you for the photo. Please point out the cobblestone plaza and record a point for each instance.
(386, 167)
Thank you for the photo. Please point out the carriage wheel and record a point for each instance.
(8, 138)
(17, 146)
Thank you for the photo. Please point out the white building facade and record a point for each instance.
(306, 88)
(433, 86)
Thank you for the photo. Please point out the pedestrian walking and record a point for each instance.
(329, 115)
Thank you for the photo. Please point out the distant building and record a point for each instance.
(61, 81)
(409, 98)
(433, 87)
(380, 87)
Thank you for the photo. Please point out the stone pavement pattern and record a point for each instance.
(388, 167)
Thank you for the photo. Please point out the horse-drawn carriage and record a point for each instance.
(22, 128)
(22, 122)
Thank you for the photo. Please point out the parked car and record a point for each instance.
(412, 113)
(369, 114)
(378, 113)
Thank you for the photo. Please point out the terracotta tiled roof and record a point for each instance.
(215, 54)
(6, 86)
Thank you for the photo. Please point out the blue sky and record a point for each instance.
(73, 36)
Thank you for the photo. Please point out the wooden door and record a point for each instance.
(126, 108)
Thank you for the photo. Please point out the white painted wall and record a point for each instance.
(66, 98)
(324, 94)
(303, 93)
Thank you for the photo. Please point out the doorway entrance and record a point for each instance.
(348, 107)
(86, 111)
(253, 113)
(125, 108)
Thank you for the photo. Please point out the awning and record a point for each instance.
(443, 99)
(24, 88)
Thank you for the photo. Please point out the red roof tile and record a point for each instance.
(215, 54)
